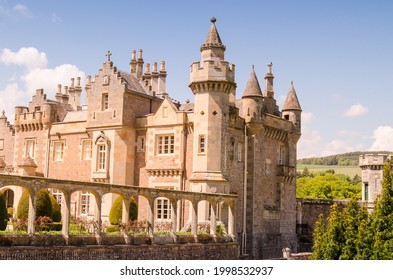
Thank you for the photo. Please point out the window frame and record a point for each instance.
(102, 157)
(85, 203)
(105, 101)
(84, 143)
(202, 144)
(163, 209)
(165, 144)
(27, 145)
(239, 151)
(55, 155)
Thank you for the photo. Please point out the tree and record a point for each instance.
(43, 205)
(3, 212)
(318, 250)
(327, 186)
(356, 234)
(382, 218)
(116, 212)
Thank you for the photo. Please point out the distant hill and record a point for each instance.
(347, 159)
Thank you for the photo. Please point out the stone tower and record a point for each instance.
(212, 80)
(372, 176)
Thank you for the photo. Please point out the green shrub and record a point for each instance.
(56, 209)
(43, 204)
(115, 213)
(3, 212)
(55, 226)
(112, 229)
(22, 211)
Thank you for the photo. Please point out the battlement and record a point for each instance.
(210, 70)
(373, 159)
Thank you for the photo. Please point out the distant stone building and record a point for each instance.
(132, 133)
(372, 176)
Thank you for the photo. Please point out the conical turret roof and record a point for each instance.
(291, 102)
(213, 38)
(252, 87)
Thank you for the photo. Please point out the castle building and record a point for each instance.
(372, 176)
(131, 132)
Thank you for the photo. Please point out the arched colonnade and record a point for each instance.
(98, 190)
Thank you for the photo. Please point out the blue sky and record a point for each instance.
(338, 53)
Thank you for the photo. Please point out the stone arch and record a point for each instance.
(165, 213)
(109, 197)
(17, 191)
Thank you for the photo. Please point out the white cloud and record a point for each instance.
(356, 110)
(30, 58)
(307, 117)
(383, 139)
(337, 147)
(20, 89)
(55, 18)
(22, 10)
(49, 78)
(309, 143)
(10, 97)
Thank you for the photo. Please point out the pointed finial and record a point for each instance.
(3, 113)
(292, 83)
(108, 56)
(213, 19)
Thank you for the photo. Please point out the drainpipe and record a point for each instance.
(244, 234)
(47, 156)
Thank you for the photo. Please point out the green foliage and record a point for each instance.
(56, 209)
(112, 229)
(3, 212)
(115, 213)
(356, 234)
(327, 185)
(43, 204)
(22, 211)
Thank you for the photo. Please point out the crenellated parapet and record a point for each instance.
(373, 161)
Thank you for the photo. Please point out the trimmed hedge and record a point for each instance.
(22, 211)
(3, 212)
(56, 209)
(43, 205)
(116, 211)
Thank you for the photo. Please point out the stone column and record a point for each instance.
(194, 217)
(97, 214)
(231, 220)
(125, 210)
(174, 217)
(65, 214)
(151, 215)
(213, 221)
(32, 213)
(125, 213)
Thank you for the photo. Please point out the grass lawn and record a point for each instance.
(347, 170)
